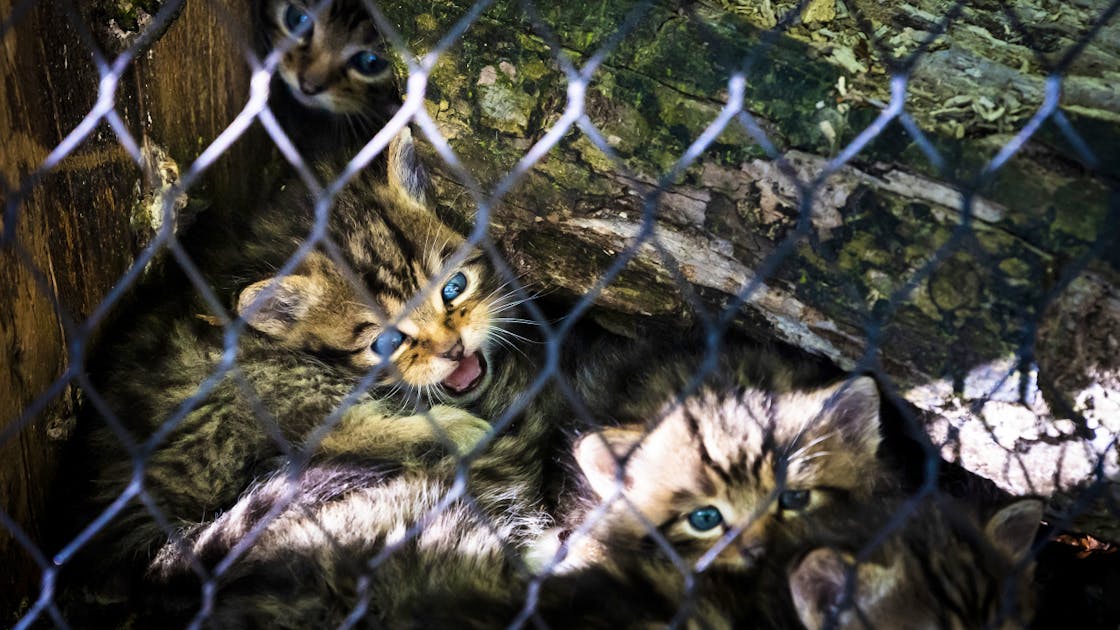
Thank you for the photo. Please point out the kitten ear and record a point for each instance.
(406, 173)
(1012, 529)
(852, 408)
(280, 307)
(819, 585)
(598, 455)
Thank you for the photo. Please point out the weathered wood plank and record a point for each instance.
(77, 227)
(72, 230)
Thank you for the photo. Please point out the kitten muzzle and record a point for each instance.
(467, 375)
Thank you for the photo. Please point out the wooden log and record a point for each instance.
(892, 269)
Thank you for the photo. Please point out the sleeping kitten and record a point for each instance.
(334, 85)
(337, 550)
(941, 570)
(752, 472)
(708, 501)
(212, 432)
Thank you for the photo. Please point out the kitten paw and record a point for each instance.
(461, 428)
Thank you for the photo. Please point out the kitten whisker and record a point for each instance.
(500, 307)
(811, 456)
(516, 320)
(505, 343)
(502, 332)
(811, 444)
(501, 298)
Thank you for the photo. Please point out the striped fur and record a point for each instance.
(320, 98)
(751, 454)
(758, 426)
(321, 559)
(942, 569)
(754, 418)
(246, 423)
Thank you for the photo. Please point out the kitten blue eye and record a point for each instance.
(793, 499)
(454, 287)
(705, 518)
(295, 18)
(388, 342)
(368, 63)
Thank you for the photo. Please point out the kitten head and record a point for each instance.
(731, 475)
(397, 254)
(933, 574)
(335, 58)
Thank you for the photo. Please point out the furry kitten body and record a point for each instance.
(339, 549)
(334, 84)
(720, 501)
(211, 431)
(709, 498)
(944, 568)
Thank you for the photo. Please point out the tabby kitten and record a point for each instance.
(941, 570)
(752, 472)
(736, 479)
(337, 549)
(247, 421)
(334, 84)
(435, 349)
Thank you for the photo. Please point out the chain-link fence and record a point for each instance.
(532, 400)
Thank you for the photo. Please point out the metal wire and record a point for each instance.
(647, 234)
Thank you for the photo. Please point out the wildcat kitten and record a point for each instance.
(943, 569)
(334, 85)
(753, 472)
(746, 471)
(337, 551)
(709, 500)
(246, 422)
(437, 349)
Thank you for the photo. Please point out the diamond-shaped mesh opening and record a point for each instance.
(344, 314)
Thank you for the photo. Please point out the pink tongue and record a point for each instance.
(465, 375)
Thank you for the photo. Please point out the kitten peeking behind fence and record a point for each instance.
(334, 83)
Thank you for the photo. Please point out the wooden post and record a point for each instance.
(70, 237)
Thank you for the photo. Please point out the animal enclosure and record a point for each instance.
(925, 192)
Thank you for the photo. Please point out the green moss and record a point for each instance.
(955, 284)
(426, 22)
(591, 154)
(534, 69)
(505, 108)
(1015, 268)
(1079, 211)
(863, 250)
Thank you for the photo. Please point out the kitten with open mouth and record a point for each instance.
(402, 293)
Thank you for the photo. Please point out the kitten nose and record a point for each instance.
(310, 88)
(456, 351)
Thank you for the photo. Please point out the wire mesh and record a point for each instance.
(650, 218)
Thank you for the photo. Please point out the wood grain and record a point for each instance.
(70, 238)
